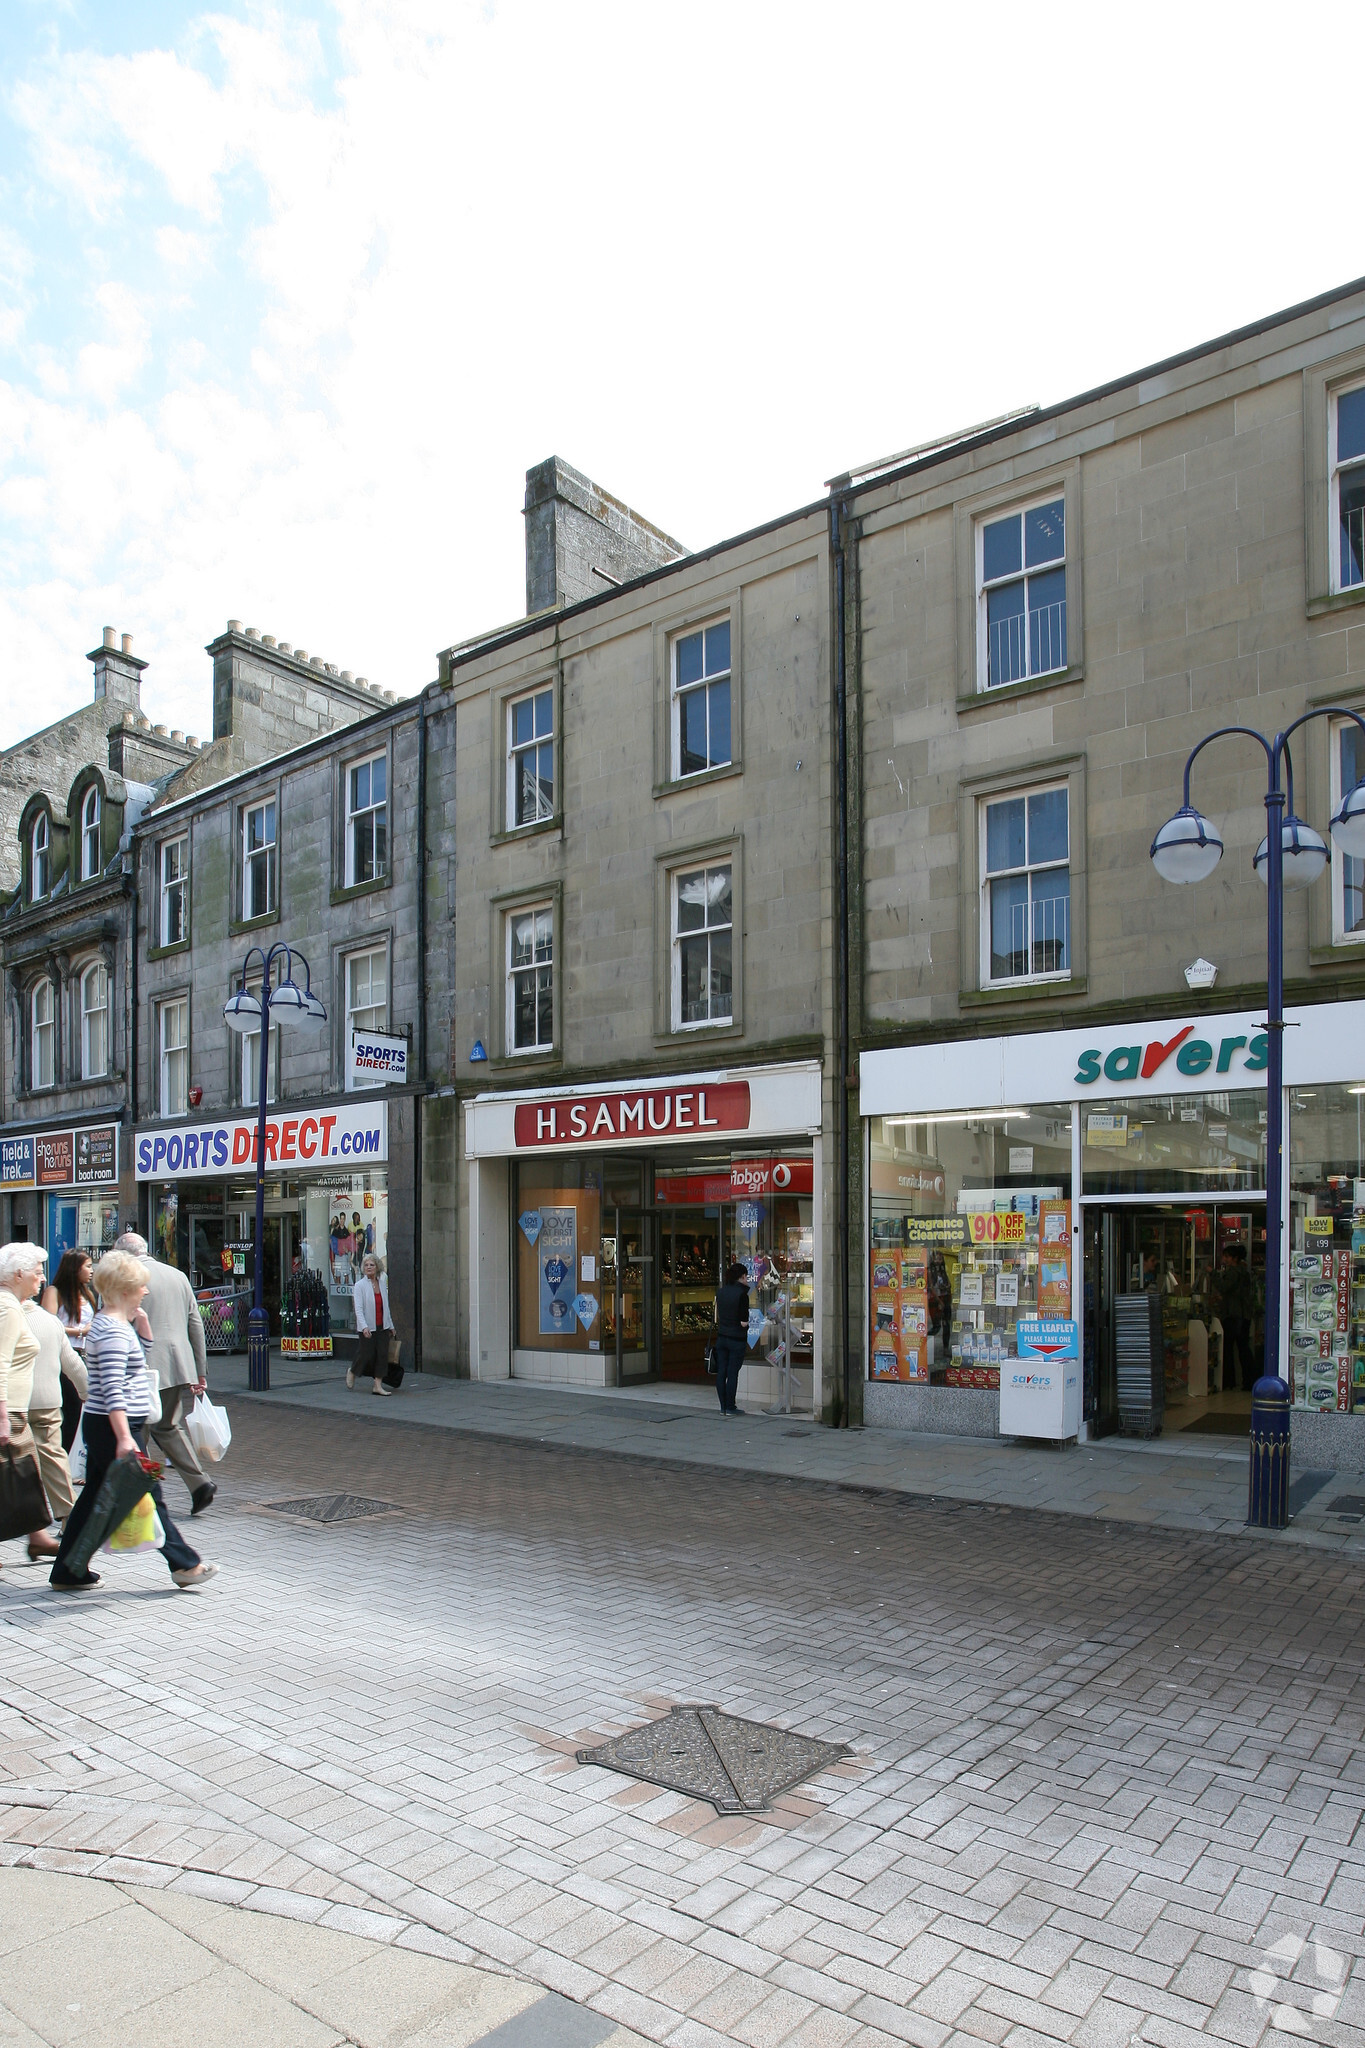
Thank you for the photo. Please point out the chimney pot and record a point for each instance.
(110, 637)
(390, 696)
(252, 634)
(346, 676)
(234, 625)
(316, 661)
(163, 730)
(300, 654)
(191, 739)
(284, 647)
(127, 643)
(267, 639)
(362, 682)
(177, 735)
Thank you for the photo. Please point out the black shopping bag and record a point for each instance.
(23, 1504)
(121, 1488)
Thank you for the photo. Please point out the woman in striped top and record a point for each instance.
(117, 1403)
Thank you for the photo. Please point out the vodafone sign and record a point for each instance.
(632, 1114)
(745, 1179)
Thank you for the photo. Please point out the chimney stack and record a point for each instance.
(118, 672)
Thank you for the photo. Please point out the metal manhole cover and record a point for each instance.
(740, 1766)
(332, 1507)
(1348, 1504)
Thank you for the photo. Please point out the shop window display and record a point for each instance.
(970, 1232)
(1327, 1259)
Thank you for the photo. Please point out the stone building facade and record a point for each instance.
(639, 862)
(1043, 619)
(71, 796)
(319, 848)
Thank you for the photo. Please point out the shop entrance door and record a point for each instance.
(281, 1239)
(1205, 1259)
(635, 1294)
(207, 1239)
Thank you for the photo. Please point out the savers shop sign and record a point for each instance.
(346, 1136)
(1183, 1053)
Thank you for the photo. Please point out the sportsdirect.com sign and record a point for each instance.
(349, 1135)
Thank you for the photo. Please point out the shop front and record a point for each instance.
(326, 1208)
(603, 1219)
(1081, 1215)
(63, 1186)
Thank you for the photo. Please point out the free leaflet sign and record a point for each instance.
(351, 1134)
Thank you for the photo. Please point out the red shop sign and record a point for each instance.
(650, 1113)
(746, 1179)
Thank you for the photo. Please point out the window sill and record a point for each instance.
(1022, 992)
(680, 784)
(1006, 692)
(238, 925)
(347, 891)
(167, 952)
(1336, 601)
(539, 830)
(1349, 953)
(539, 1062)
(703, 1034)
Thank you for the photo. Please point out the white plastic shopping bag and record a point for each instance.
(208, 1429)
(75, 1457)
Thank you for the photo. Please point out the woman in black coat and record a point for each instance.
(732, 1332)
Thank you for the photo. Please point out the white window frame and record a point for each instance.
(984, 803)
(249, 1072)
(677, 877)
(1340, 936)
(267, 853)
(994, 517)
(369, 810)
(517, 753)
(180, 881)
(1354, 469)
(535, 969)
(43, 1034)
(91, 864)
(39, 854)
(705, 683)
(173, 1099)
(364, 1016)
(94, 1061)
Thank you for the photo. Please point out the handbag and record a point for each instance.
(710, 1359)
(394, 1376)
(23, 1503)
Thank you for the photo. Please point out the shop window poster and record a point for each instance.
(557, 1255)
(1054, 1259)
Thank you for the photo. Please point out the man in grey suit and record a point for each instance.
(177, 1355)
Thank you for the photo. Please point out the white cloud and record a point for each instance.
(711, 255)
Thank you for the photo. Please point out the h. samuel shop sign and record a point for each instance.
(1323, 1042)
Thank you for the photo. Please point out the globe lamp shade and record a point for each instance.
(1187, 848)
(242, 1011)
(313, 1015)
(1305, 854)
(288, 1004)
(1348, 824)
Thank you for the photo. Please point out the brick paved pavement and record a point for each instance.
(1171, 1483)
(1100, 1770)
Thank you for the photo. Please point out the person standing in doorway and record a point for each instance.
(732, 1334)
(175, 1351)
(1236, 1299)
(374, 1321)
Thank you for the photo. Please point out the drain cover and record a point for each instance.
(1348, 1504)
(740, 1766)
(332, 1507)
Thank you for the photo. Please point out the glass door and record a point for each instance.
(636, 1293)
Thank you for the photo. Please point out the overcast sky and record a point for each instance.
(290, 298)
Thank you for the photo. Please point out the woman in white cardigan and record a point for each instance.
(374, 1321)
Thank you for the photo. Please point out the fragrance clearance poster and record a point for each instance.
(1054, 1259)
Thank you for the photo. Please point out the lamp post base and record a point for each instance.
(1268, 1502)
(258, 1351)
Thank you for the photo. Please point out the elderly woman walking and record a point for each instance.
(57, 1367)
(374, 1321)
(117, 1403)
(21, 1275)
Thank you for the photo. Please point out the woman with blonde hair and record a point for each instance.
(118, 1402)
(374, 1321)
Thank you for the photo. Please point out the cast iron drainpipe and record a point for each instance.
(841, 1230)
(421, 1030)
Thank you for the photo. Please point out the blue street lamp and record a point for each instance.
(247, 1011)
(1291, 856)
